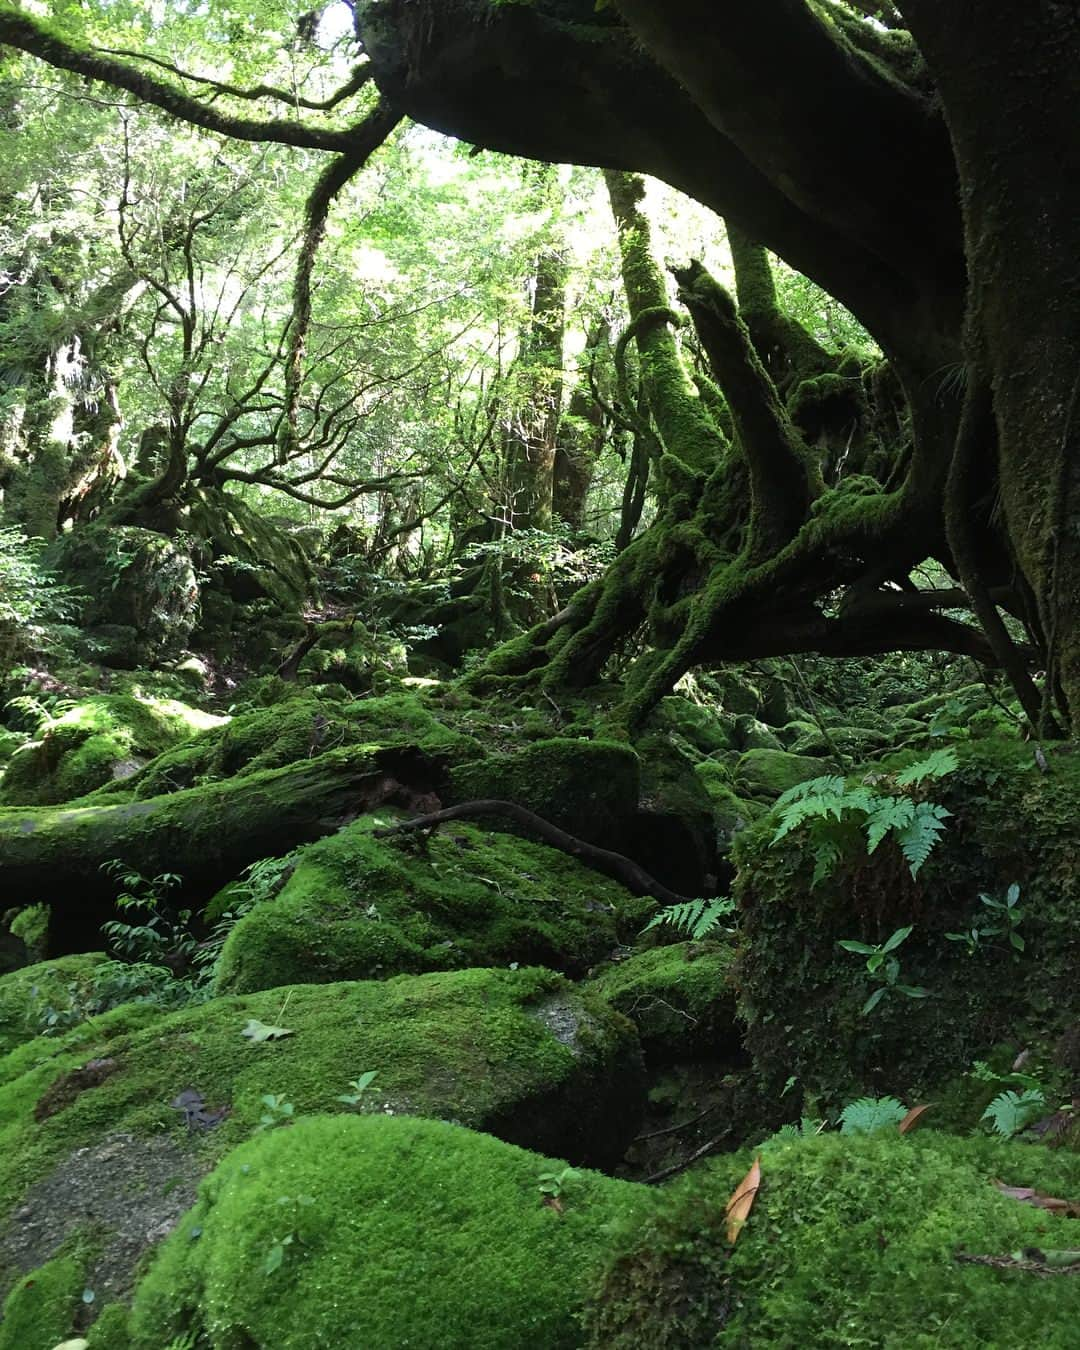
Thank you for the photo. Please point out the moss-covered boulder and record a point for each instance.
(803, 996)
(383, 1232)
(100, 739)
(88, 1121)
(302, 725)
(587, 787)
(363, 907)
(768, 773)
(133, 579)
(696, 725)
(680, 998)
(28, 995)
(851, 1241)
(730, 812)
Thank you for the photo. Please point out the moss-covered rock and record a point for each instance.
(132, 579)
(399, 1232)
(100, 739)
(749, 733)
(731, 813)
(26, 995)
(698, 726)
(588, 787)
(363, 907)
(40, 1311)
(518, 1054)
(673, 837)
(802, 994)
(851, 1241)
(768, 773)
(301, 725)
(679, 997)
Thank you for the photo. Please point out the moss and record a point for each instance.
(731, 813)
(403, 1233)
(517, 1053)
(697, 725)
(849, 1237)
(99, 739)
(26, 994)
(110, 1331)
(768, 773)
(587, 787)
(679, 997)
(298, 727)
(360, 907)
(801, 994)
(39, 1312)
(750, 733)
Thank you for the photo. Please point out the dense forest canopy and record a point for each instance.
(539, 631)
(792, 500)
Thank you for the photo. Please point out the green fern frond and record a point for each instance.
(1010, 1112)
(888, 813)
(917, 839)
(871, 1115)
(696, 918)
(937, 765)
(832, 785)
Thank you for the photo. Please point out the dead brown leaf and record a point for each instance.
(913, 1117)
(742, 1202)
(1026, 1195)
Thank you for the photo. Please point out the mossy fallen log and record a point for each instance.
(206, 834)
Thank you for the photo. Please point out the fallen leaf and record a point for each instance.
(913, 1117)
(742, 1202)
(1026, 1195)
(257, 1031)
(552, 1202)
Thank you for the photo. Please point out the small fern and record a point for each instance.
(696, 918)
(938, 765)
(1010, 1112)
(871, 1115)
(837, 815)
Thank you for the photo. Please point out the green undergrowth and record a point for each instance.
(851, 1242)
(361, 907)
(27, 994)
(382, 1232)
(803, 995)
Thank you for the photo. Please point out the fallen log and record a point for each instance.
(207, 834)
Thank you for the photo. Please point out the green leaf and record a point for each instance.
(912, 990)
(899, 936)
(860, 948)
(274, 1258)
(1010, 1112)
(872, 1002)
(256, 1031)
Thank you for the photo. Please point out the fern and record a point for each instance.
(836, 813)
(871, 1115)
(918, 838)
(830, 786)
(887, 813)
(937, 765)
(1010, 1112)
(696, 918)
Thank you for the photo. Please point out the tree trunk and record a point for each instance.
(1010, 81)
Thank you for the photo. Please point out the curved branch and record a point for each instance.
(28, 35)
(611, 864)
(369, 135)
(356, 81)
